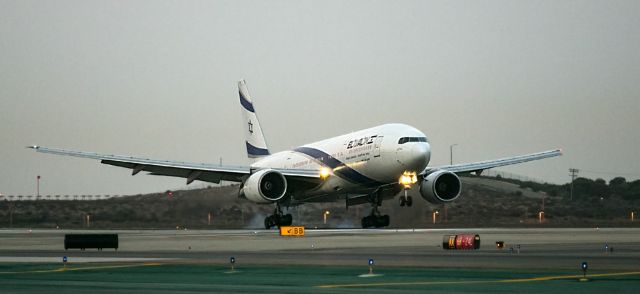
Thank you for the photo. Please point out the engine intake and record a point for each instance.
(265, 186)
(440, 187)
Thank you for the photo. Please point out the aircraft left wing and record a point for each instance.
(478, 167)
(190, 171)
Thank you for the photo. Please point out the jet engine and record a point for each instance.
(265, 186)
(440, 186)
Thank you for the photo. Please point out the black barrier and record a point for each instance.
(83, 241)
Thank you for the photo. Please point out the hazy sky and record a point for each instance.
(158, 79)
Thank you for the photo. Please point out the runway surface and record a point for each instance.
(324, 261)
(539, 248)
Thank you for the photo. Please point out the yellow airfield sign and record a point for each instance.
(292, 231)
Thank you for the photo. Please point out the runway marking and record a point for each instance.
(525, 280)
(86, 268)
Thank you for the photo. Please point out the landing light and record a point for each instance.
(325, 173)
(408, 178)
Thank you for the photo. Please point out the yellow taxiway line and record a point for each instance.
(86, 268)
(526, 280)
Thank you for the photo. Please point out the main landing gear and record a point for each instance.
(375, 220)
(278, 219)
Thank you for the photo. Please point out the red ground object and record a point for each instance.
(461, 242)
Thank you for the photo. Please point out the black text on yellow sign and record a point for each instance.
(292, 231)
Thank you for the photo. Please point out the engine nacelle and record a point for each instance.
(265, 186)
(440, 187)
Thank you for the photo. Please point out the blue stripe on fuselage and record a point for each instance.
(343, 170)
(245, 103)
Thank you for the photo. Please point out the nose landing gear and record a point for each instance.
(407, 179)
(406, 200)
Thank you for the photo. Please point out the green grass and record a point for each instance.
(184, 278)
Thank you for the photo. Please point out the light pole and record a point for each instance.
(573, 172)
(540, 216)
(444, 205)
(324, 216)
(451, 153)
(450, 163)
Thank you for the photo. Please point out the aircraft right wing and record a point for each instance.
(478, 167)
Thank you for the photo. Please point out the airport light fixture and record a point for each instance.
(232, 261)
(540, 216)
(324, 216)
(434, 215)
(38, 185)
(584, 266)
(633, 215)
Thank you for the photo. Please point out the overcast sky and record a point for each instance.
(158, 79)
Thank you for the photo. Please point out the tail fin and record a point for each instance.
(254, 139)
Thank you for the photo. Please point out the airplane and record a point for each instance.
(365, 166)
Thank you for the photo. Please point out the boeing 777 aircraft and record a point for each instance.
(366, 166)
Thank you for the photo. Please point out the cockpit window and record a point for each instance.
(412, 139)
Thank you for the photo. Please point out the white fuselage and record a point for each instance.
(363, 159)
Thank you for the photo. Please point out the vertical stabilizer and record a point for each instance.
(254, 138)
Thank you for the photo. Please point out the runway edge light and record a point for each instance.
(232, 270)
(584, 266)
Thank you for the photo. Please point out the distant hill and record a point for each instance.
(485, 202)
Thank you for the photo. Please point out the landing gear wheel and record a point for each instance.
(382, 221)
(286, 220)
(269, 222)
(406, 201)
(368, 222)
(277, 219)
(375, 221)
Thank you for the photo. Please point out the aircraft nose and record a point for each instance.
(416, 157)
(421, 154)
